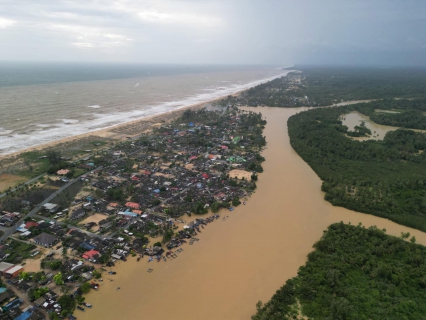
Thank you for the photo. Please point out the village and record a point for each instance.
(144, 198)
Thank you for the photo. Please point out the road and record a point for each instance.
(20, 186)
(12, 229)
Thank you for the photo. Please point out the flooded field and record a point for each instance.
(240, 260)
(355, 118)
(378, 131)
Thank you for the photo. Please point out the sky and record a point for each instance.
(274, 32)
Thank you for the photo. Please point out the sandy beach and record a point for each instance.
(242, 259)
(11, 164)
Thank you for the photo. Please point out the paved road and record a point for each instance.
(12, 230)
(28, 182)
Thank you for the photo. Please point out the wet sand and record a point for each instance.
(241, 260)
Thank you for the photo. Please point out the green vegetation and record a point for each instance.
(384, 178)
(85, 287)
(322, 86)
(354, 273)
(58, 279)
(18, 251)
(406, 113)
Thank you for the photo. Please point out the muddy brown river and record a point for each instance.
(241, 260)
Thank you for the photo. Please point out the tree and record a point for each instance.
(85, 287)
(64, 251)
(215, 206)
(24, 276)
(236, 201)
(55, 265)
(67, 303)
(58, 279)
(97, 274)
(54, 157)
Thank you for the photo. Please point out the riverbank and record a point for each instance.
(240, 260)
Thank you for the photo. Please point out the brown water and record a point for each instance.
(243, 259)
(378, 131)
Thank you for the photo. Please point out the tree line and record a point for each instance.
(354, 273)
(384, 178)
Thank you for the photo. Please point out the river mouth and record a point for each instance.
(244, 258)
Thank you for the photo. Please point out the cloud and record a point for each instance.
(178, 18)
(83, 36)
(6, 23)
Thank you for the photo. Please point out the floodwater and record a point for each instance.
(241, 260)
(378, 131)
(355, 118)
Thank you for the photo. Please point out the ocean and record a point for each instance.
(41, 103)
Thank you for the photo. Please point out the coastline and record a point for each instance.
(111, 131)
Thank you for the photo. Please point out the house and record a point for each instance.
(51, 207)
(133, 205)
(87, 275)
(6, 295)
(91, 255)
(77, 214)
(31, 224)
(45, 239)
(13, 272)
(4, 266)
(104, 225)
(62, 172)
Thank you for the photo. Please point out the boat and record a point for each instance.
(150, 259)
(88, 305)
(164, 258)
(81, 308)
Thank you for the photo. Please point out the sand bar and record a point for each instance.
(243, 259)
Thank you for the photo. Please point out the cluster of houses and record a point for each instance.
(9, 218)
(180, 168)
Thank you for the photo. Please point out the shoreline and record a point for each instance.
(108, 132)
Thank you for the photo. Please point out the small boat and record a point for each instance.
(81, 308)
(244, 203)
(88, 305)
(150, 259)
(112, 272)
(164, 258)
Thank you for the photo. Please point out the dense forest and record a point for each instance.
(316, 86)
(385, 178)
(355, 273)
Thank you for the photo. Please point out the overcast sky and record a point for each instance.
(278, 32)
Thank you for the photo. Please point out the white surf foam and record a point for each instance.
(70, 121)
(16, 142)
(95, 106)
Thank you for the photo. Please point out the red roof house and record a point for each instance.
(132, 205)
(31, 224)
(90, 254)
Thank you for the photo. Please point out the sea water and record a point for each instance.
(41, 103)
